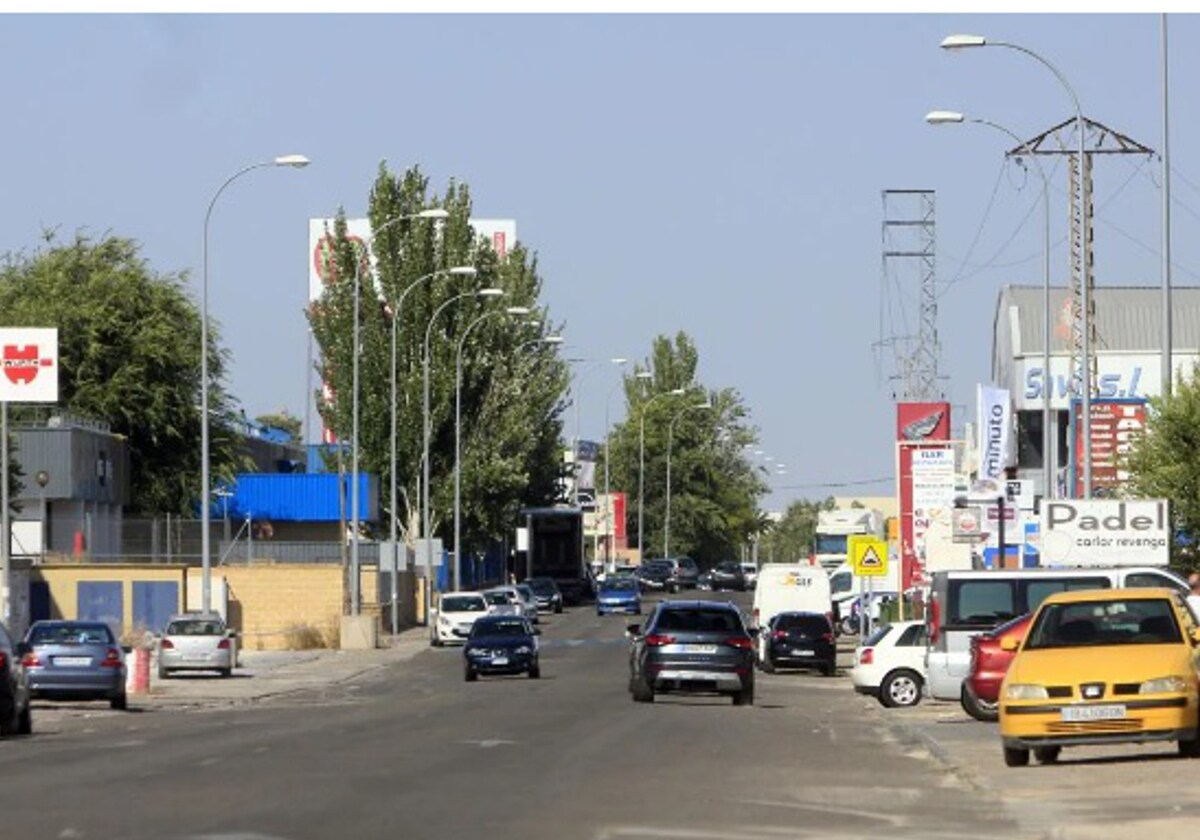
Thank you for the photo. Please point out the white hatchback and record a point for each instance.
(890, 664)
(455, 616)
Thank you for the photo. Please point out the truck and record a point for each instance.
(552, 545)
(834, 526)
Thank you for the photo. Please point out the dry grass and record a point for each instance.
(304, 637)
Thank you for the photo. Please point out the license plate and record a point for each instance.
(1076, 714)
(698, 648)
(499, 660)
(195, 659)
(805, 652)
(73, 661)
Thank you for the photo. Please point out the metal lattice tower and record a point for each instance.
(910, 237)
(1102, 140)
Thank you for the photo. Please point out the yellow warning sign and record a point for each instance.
(868, 555)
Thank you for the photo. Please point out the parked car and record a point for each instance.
(529, 601)
(501, 644)
(800, 640)
(503, 602)
(654, 575)
(15, 715)
(705, 582)
(750, 573)
(75, 660)
(546, 593)
(1102, 666)
(989, 663)
(692, 646)
(526, 605)
(685, 574)
(890, 664)
(457, 613)
(728, 575)
(196, 642)
(619, 594)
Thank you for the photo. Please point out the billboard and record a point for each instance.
(30, 357)
(922, 433)
(994, 420)
(501, 234)
(1105, 532)
(1116, 424)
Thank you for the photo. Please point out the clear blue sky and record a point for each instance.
(719, 175)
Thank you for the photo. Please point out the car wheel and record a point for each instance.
(1190, 748)
(226, 672)
(745, 697)
(469, 673)
(900, 688)
(119, 702)
(535, 672)
(768, 667)
(25, 721)
(163, 673)
(979, 709)
(10, 726)
(557, 609)
(1016, 757)
(1047, 755)
(829, 670)
(642, 692)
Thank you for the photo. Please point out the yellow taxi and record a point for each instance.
(1102, 666)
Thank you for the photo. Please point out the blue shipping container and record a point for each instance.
(294, 497)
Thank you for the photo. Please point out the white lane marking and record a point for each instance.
(208, 762)
(488, 743)
(70, 833)
(133, 743)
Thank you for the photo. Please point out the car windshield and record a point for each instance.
(195, 627)
(525, 591)
(803, 623)
(699, 620)
(729, 567)
(496, 598)
(461, 603)
(1132, 621)
(499, 628)
(542, 586)
(620, 584)
(70, 634)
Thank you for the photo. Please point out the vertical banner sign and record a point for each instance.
(917, 424)
(932, 492)
(1116, 425)
(994, 419)
(30, 358)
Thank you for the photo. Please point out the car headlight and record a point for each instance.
(442, 620)
(1163, 685)
(1026, 691)
(524, 649)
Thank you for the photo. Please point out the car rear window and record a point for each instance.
(70, 634)
(194, 627)
(803, 623)
(699, 620)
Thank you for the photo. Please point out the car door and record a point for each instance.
(910, 648)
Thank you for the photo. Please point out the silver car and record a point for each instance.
(69, 660)
(196, 642)
(516, 602)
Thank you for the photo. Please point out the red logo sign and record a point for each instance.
(23, 362)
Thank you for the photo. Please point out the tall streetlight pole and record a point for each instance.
(642, 465)
(294, 161)
(952, 118)
(956, 42)
(426, 528)
(512, 310)
(707, 404)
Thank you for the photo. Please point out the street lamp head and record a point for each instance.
(705, 404)
(517, 310)
(643, 374)
(958, 42)
(677, 392)
(552, 339)
(619, 361)
(490, 292)
(944, 117)
(434, 213)
(294, 161)
(463, 271)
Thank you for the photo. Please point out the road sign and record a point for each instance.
(868, 556)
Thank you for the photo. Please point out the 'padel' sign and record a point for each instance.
(29, 359)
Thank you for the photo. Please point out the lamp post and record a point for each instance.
(425, 524)
(642, 464)
(956, 42)
(294, 161)
(707, 404)
(952, 118)
(512, 310)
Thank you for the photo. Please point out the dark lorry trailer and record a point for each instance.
(555, 550)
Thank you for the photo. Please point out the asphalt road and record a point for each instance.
(412, 751)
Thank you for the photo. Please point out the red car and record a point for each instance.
(989, 664)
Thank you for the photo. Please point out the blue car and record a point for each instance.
(501, 644)
(619, 594)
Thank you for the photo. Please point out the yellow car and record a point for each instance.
(1102, 666)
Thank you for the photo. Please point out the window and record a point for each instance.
(811, 624)
(913, 637)
(1037, 590)
(830, 543)
(699, 621)
(1142, 580)
(981, 602)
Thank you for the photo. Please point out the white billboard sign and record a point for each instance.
(30, 359)
(1106, 532)
(501, 234)
(320, 249)
(994, 421)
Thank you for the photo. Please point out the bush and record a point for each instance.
(303, 637)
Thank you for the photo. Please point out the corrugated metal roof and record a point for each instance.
(1128, 318)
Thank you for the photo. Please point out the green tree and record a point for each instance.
(714, 489)
(282, 419)
(790, 540)
(1164, 462)
(512, 388)
(129, 355)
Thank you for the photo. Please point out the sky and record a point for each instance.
(719, 175)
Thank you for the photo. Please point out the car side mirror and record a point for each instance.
(633, 630)
(1009, 644)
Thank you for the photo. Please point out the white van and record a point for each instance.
(790, 587)
(965, 603)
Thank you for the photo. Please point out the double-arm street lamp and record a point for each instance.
(512, 310)
(426, 534)
(952, 118)
(642, 464)
(707, 404)
(296, 162)
(958, 42)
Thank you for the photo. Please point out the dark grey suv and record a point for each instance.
(692, 646)
(15, 717)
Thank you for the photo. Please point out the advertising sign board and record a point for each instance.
(1116, 424)
(1105, 532)
(920, 427)
(30, 361)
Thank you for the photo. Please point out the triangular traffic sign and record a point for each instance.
(870, 560)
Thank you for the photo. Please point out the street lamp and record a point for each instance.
(707, 404)
(952, 118)
(425, 526)
(512, 310)
(642, 463)
(296, 162)
(954, 42)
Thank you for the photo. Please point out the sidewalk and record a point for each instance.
(270, 674)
